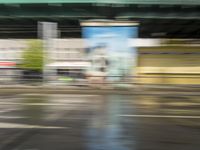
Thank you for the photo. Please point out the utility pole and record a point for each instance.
(47, 31)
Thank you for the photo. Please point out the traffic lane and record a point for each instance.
(161, 134)
(143, 125)
(95, 122)
(165, 122)
(40, 114)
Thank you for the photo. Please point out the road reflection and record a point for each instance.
(104, 130)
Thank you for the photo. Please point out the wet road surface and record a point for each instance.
(99, 122)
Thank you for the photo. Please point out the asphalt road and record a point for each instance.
(99, 122)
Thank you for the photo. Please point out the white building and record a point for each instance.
(10, 56)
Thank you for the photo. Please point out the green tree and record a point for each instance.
(32, 57)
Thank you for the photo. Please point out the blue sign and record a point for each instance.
(110, 44)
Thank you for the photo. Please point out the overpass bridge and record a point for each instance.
(157, 18)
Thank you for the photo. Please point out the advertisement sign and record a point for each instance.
(109, 50)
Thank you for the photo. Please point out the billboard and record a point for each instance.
(109, 50)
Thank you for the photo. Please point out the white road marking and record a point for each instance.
(21, 126)
(11, 117)
(37, 104)
(8, 110)
(160, 116)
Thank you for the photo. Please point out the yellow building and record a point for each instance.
(169, 64)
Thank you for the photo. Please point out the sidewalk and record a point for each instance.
(133, 89)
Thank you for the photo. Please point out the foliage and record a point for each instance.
(33, 56)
